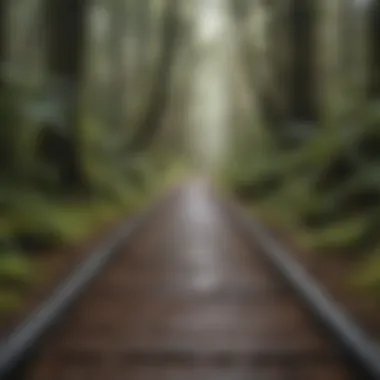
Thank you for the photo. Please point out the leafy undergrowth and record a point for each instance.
(327, 190)
(34, 223)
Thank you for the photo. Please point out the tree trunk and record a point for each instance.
(66, 32)
(2, 39)
(160, 90)
(116, 51)
(302, 22)
(374, 47)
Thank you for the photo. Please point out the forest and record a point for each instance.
(105, 103)
(83, 91)
(313, 162)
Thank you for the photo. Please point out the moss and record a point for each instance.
(34, 222)
(368, 275)
(326, 189)
(10, 301)
(343, 236)
(14, 266)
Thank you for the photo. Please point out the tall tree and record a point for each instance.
(302, 22)
(116, 50)
(65, 20)
(3, 4)
(374, 61)
(159, 94)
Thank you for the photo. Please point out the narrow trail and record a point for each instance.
(188, 298)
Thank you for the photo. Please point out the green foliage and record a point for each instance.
(10, 300)
(33, 222)
(368, 276)
(345, 236)
(65, 167)
(14, 267)
(257, 176)
(327, 189)
(37, 215)
(16, 270)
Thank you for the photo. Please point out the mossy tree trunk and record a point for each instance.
(332, 61)
(276, 91)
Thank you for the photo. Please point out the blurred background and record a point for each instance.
(106, 103)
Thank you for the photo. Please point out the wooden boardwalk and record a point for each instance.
(188, 299)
